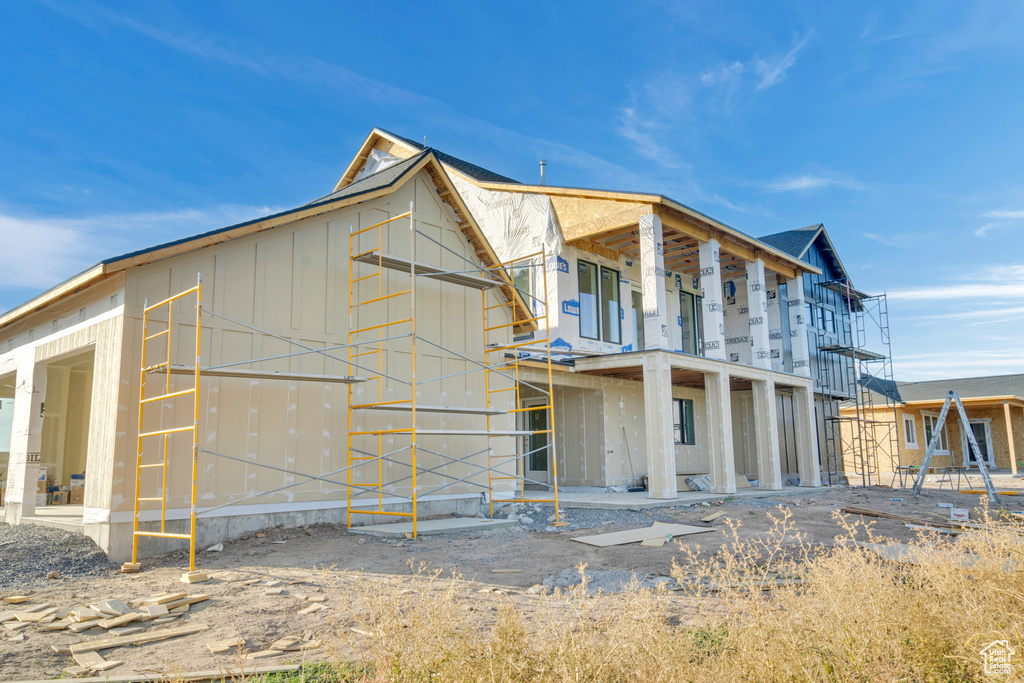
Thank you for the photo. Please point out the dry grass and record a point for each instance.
(835, 614)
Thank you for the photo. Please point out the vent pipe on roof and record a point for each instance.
(543, 163)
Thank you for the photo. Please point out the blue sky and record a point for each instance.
(898, 125)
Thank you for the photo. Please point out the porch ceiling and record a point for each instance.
(693, 379)
(680, 249)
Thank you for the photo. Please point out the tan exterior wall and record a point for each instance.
(911, 454)
(292, 282)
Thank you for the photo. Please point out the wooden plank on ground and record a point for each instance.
(138, 639)
(712, 517)
(639, 535)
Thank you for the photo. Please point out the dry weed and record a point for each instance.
(774, 608)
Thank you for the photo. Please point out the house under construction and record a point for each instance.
(425, 339)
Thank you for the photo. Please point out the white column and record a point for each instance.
(26, 439)
(798, 326)
(652, 270)
(806, 438)
(711, 286)
(661, 449)
(766, 428)
(718, 399)
(757, 313)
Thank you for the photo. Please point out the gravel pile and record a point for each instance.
(539, 517)
(604, 580)
(28, 552)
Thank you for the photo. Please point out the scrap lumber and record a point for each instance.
(315, 607)
(639, 535)
(219, 646)
(983, 492)
(88, 659)
(160, 599)
(138, 639)
(653, 542)
(16, 599)
(187, 601)
(120, 621)
(713, 516)
(902, 518)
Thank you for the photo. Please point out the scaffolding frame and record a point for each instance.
(368, 263)
(850, 373)
(474, 276)
(145, 401)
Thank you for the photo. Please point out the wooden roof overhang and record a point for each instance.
(607, 223)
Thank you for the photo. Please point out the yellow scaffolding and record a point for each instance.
(369, 262)
(368, 446)
(145, 401)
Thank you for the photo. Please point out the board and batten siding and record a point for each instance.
(292, 282)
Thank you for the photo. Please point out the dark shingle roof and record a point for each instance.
(971, 387)
(472, 170)
(376, 181)
(793, 242)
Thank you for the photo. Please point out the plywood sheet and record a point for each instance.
(639, 535)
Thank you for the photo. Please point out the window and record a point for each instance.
(638, 320)
(611, 314)
(930, 422)
(600, 306)
(522, 279)
(691, 318)
(587, 276)
(909, 431)
(682, 428)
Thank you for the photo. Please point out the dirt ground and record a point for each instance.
(336, 565)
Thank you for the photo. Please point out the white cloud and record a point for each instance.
(1012, 290)
(1003, 219)
(321, 74)
(39, 251)
(773, 72)
(888, 240)
(647, 142)
(724, 74)
(951, 364)
(1012, 215)
(810, 182)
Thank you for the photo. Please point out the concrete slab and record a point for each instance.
(431, 527)
(67, 517)
(601, 498)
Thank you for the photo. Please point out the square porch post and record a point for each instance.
(718, 399)
(766, 427)
(798, 326)
(26, 439)
(652, 273)
(806, 453)
(757, 315)
(661, 450)
(711, 286)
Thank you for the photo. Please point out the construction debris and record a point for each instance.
(219, 646)
(640, 535)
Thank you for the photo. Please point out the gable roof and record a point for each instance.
(794, 242)
(380, 184)
(399, 146)
(798, 242)
(379, 135)
(969, 387)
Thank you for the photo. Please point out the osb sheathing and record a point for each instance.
(292, 281)
(915, 456)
